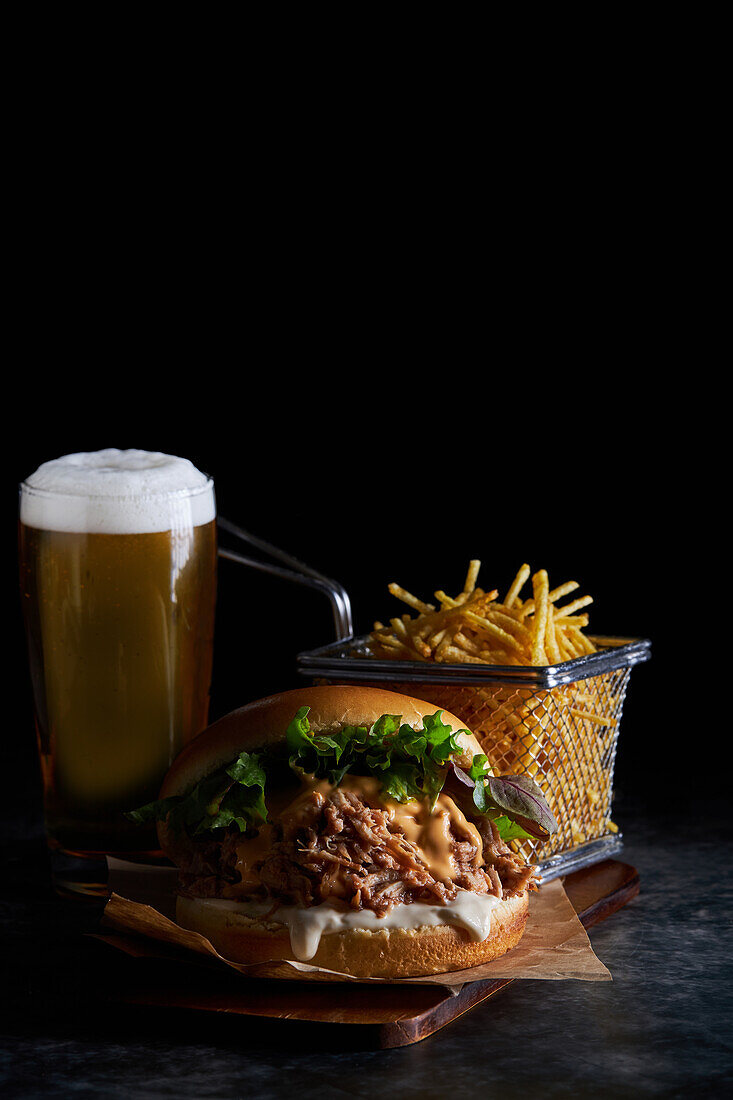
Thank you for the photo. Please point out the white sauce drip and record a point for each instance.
(307, 925)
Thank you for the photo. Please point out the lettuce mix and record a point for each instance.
(409, 764)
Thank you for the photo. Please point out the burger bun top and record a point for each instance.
(262, 725)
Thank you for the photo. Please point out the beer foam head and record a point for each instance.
(117, 492)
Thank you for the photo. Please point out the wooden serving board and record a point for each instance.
(383, 1016)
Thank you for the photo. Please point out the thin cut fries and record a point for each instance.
(412, 601)
(564, 736)
(535, 631)
(516, 586)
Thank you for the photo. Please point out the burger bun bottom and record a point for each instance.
(390, 953)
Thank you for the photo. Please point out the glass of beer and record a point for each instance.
(118, 580)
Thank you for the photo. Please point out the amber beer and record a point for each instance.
(118, 579)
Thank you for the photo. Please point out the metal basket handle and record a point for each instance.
(299, 573)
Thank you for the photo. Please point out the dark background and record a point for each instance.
(388, 374)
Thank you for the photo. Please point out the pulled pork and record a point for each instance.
(342, 848)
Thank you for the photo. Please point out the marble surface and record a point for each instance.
(663, 1027)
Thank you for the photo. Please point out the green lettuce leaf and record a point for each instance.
(153, 811)
(409, 764)
(510, 830)
(232, 795)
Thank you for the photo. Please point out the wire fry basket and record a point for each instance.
(558, 724)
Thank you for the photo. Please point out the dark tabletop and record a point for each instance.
(663, 1027)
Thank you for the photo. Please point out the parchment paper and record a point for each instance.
(555, 946)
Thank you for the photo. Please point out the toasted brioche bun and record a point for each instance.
(262, 724)
(392, 953)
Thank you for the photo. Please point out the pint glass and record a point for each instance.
(118, 581)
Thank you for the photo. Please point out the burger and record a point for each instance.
(355, 829)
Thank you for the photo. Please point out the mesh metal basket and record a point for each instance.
(559, 724)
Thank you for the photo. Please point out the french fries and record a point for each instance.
(476, 627)
(564, 737)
